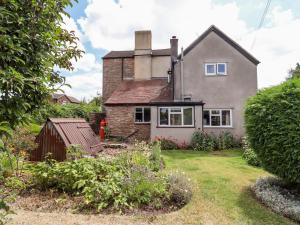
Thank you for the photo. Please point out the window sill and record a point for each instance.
(216, 75)
(142, 123)
(218, 127)
(175, 126)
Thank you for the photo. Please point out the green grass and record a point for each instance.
(221, 183)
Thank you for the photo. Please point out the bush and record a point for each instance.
(202, 141)
(81, 110)
(279, 196)
(272, 124)
(168, 144)
(179, 189)
(130, 179)
(74, 152)
(249, 155)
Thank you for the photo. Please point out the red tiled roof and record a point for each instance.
(130, 53)
(140, 92)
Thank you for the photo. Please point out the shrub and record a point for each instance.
(74, 152)
(249, 155)
(18, 148)
(144, 186)
(226, 140)
(272, 124)
(81, 110)
(131, 179)
(179, 189)
(202, 141)
(279, 196)
(168, 144)
(128, 180)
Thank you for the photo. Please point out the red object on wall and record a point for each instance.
(102, 129)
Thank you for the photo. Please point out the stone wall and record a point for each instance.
(121, 123)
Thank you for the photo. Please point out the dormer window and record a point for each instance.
(213, 69)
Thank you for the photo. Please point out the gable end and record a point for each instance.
(225, 38)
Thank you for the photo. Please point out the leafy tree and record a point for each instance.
(96, 100)
(32, 44)
(293, 73)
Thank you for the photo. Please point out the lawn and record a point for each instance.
(221, 189)
(221, 183)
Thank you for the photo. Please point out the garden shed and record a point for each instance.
(59, 133)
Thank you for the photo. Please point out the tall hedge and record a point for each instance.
(273, 128)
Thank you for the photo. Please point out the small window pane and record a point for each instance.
(175, 110)
(138, 109)
(188, 116)
(210, 68)
(215, 112)
(221, 68)
(215, 121)
(206, 118)
(163, 116)
(226, 118)
(138, 117)
(175, 119)
(147, 115)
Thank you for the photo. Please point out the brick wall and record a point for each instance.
(113, 71)
(121, 123)
(128, 68)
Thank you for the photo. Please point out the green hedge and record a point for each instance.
(273, 128)
(81, 110)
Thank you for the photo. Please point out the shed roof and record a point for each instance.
(130, 53)
(76, 131)
(140, 92)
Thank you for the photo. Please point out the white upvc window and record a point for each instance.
(142, 115)
(176, 116)
(212, 69)
(221, 68)
(217, 118)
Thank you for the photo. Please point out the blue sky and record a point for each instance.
(109, 25)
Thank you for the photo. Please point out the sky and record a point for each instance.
(105, 25)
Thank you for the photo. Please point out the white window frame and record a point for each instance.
(220, 114)
(181, 113)
(216, 73)
(206, 71)
(221, 73)
(143, 114)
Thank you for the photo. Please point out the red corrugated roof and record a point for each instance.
(140, 92)
(77, 131)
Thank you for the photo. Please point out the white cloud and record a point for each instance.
(110, 26)
(85, 79)
(84, 85)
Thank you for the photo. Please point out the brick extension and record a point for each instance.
(121, 123)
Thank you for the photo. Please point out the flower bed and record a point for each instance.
(279, 196)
